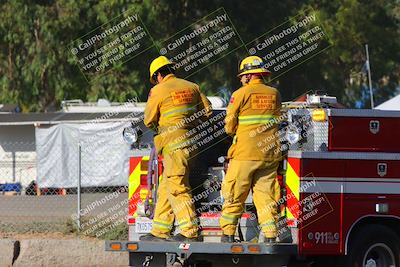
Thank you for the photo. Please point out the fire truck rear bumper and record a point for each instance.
(202, 247)
(221, 254)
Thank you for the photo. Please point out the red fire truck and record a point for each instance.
(340, 204)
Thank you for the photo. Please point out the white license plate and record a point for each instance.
(143, 225)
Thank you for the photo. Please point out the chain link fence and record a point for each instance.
(68, 188)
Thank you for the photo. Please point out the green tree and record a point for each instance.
(38, 71)
(351, 24)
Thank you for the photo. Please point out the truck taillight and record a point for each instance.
(237, 249)
(115, 246)
(132, 246)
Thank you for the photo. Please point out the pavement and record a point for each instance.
(53, 207)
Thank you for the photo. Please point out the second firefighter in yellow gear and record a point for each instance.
(173, 108)
(255, 152)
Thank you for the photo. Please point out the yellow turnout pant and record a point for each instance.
(174, 199)
(260, 177)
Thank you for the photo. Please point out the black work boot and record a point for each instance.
(182, 238)
(270, 240)
(151, 237)
(227, 239)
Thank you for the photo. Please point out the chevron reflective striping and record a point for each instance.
(136, 172)
(134, 177)
(293, 181)
(292, 208)
(292, 184)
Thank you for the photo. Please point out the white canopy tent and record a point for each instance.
(391, 104)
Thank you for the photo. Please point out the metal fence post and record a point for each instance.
(79, 188)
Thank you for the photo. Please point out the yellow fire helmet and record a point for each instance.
(157, 64)
(252, 64)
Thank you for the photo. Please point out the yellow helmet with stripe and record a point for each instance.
(252, 64)
(157, 64)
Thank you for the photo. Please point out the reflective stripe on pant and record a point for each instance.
(174, 198)
(243, 176)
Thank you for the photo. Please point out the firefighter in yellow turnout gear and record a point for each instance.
(255, 152)
(173, 108)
